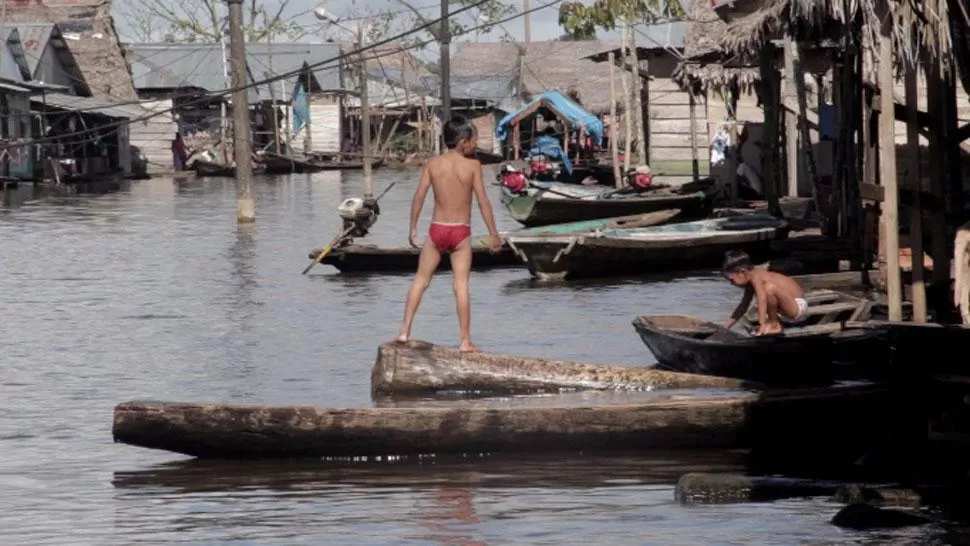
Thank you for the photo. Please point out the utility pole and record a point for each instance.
(445, 62)
(365, 117)
(525, 18)
(245, 207)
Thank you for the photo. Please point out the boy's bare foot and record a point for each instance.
(468, 347)
(402, 338)
(773, 328)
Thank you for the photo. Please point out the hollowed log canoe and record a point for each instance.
(418, 367)
(689, 422)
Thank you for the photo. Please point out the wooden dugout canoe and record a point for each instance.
(418, 367)
(743, 420)
(363, 258)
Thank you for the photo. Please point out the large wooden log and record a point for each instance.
(418, 367)
(222, 431)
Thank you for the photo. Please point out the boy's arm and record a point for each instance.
(417, 203)
(742, 307)
(484, 205)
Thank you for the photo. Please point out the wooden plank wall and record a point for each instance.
(154, 135)
(670, 150)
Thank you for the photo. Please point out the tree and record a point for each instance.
(203, 21)
(579, 19)
(480, 20)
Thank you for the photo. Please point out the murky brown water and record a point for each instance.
(153, 293)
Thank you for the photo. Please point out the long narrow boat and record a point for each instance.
(359, 258)
(419, 368)
(667, 421)
(281, 164)
(808, 354)
(553, 205)
(674, 247)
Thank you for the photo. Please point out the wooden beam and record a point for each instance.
(887, 176)
(770, 101)
(791, 122)
(928, 201)
(913, 181)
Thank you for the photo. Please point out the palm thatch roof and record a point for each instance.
(703, 69)
(554, 65)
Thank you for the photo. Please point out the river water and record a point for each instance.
(153, 293)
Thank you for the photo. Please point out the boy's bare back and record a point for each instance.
(453, 180)
(783, 282)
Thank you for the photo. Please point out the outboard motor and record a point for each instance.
(640, 178)
(539, 166)
(358, 214)
(513, 179)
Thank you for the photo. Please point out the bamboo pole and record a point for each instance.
(887, 174)
(792, 157)
(694, 161)
(636, 90)
(913, 181)
(614, 126)
(627, 107)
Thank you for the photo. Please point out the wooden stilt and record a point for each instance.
(614, 125)
(887, 174)
(791, 120)
(913, 181)
(769, 97)
(694, 162)
(938, 240)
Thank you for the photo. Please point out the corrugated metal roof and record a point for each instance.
(91, 105)
(8, 66)
(200, 66)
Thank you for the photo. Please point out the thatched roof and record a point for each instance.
(703, 40)
(90, 35)
(554, 65)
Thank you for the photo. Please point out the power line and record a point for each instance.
(424, 26)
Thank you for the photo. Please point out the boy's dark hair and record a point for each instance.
(457, 128)
(736, 261)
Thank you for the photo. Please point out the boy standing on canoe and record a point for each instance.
(777, 294)
(454, 178)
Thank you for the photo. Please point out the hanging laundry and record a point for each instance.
(301, 110)
(719, 146)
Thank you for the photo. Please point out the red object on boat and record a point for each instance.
(642, 180)
(538, 167)
(515, 181)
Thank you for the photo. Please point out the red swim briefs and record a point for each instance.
(448, 236)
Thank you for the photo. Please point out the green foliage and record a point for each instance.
(582, 21)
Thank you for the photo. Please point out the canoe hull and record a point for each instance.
(775, 361)
(206, 168)
(532, 211)
(359, 258)
(743, 420)
(593, 256)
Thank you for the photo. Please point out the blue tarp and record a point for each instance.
(301, 111)
(563, 106)
(549, 147)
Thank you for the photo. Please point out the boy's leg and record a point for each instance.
(427, 264)
(461, 265)
(772, 325)
(783, 303)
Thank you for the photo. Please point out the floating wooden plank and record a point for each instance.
(224, 431)
(417, 367)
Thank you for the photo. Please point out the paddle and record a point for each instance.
(326, 250)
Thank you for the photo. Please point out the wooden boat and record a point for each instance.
(211, 168)
(668, 421)
(673, 247)
(802, 355)
(488, 158)
(418, 368)
(359, 258)
(544, 206)
(281, 164)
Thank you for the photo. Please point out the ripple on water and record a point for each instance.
(153, 293)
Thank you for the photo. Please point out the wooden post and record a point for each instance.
(245, 206)
(632, 65)
(887, 174)
(627, 107)
(694, 162)
(614, 126)
(365, 118)
(308, 138)
(954, 154)
(868, 178)
(913, 181)
(769, 139)
(937, 162)
(792, 156)
(517, 142)
(643, 67)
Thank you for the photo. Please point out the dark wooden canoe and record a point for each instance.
(418, 367)
(370, 258)
(674, 247)
(209, 168)
(281, 164)
(360, 258)
(804, 355)
(669, 421)
(542, 208)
